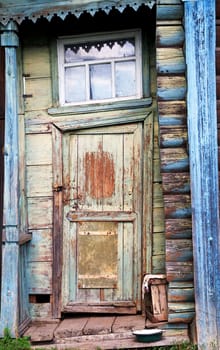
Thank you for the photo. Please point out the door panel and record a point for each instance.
(99, 172)
(102, 218)
(97, 255)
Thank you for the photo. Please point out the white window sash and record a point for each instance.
(62, 41)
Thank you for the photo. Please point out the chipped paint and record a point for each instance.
(99, 174)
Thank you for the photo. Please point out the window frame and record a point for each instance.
(61, 41)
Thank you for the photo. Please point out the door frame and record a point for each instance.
(60, 194)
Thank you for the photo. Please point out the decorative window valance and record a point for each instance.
(19, 10)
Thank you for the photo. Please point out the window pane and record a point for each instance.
(75, 84)
(100, 81)
(100, 67)
(99, 50)
(125, 79)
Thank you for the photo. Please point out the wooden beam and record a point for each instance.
(57, 222)
(202, 128)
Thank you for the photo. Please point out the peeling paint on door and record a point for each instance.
(99, 174)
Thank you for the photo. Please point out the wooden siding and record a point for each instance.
(171, 92)
(38, 174)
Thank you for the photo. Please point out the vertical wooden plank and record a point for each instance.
(9, 291)
(70, 170)
(22, 177)
(89, 186)
(2, 132)
(67, 251)
(57, 221)
(72, 258)
(138, 207)
(202, 122)
(23, 292)
(147, 188)
(70, 173)
(128, 172)
(117, 293)
(11, 142)
(129, 279)
(69, 192)
(113, 147)
(2, 83)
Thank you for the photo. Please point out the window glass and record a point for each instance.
(100, 67)
(75, 84)
(100, 81)
(125, 78)
(99, 50)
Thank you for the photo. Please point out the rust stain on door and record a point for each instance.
(99, 174)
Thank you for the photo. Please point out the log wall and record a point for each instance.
(171, 94)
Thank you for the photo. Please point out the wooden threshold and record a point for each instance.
(105, 332)
(121, 307)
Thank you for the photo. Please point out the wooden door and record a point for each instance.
(102, 228)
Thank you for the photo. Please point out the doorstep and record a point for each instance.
(100, 332)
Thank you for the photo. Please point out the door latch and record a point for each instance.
(57, 188)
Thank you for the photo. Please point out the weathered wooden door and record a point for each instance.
(102, 228)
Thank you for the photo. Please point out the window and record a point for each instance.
(100, 68)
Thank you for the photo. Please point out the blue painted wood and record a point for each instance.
(202, 126)
(167, 120)
(170, 36)
(34, 9)
(22, 280)
(171, 88)
(165, 12)
(9, 292)
(9, 283)
(168, 94)
(186, 317)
